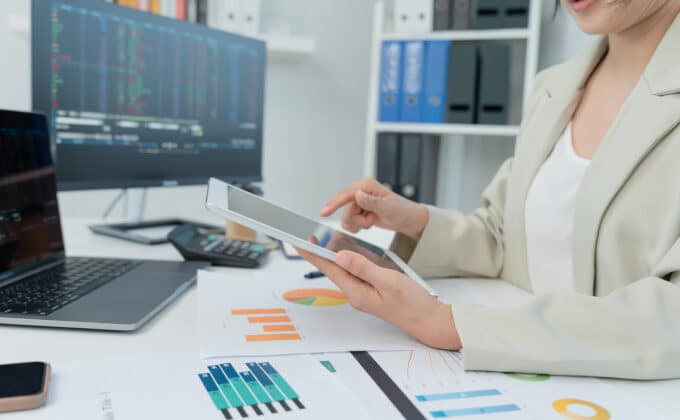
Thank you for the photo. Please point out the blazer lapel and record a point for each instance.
(538, 136)
(651, 112)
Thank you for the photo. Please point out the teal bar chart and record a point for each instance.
(215, 395)
(242, 391)
(237, 383)
(257, 389)
(229, 391)
(268, 385)
(287, 390)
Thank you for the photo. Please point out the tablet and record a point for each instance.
(287, 226)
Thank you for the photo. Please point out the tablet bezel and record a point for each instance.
(217, 201)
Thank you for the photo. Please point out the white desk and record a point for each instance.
(174, 329)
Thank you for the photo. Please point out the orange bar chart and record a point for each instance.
(275, 323)
(258, 311)
(273, 337)
(278, 328)
(266, 319)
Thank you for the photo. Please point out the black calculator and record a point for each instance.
(197, 244)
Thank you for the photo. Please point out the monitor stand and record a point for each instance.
(151, 232)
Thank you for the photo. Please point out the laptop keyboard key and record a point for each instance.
(46, 292)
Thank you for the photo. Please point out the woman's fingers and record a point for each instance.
(370, 202)
(363, 268)
(343, 197)
(369, 185)
(345, 281)
(355, 218)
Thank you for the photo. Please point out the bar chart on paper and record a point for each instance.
(269, 324)
(286, 314)
(438, 386)
(296, 387)
(255, 389)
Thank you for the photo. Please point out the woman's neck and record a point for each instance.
(630, 50)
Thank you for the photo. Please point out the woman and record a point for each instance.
(586, 215)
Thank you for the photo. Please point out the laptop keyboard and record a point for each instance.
(47, 291)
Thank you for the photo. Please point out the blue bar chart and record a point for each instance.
(438, 386)
(492, 409)
(458, 395)
(245, 392)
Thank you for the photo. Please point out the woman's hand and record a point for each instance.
(368, 203)
(391, 296)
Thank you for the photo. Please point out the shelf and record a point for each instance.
(464, 35)
(287, 46)
(449, 129)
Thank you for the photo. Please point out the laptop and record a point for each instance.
(39, 285)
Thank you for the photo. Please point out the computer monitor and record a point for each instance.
(139, 100)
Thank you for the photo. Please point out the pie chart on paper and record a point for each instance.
(316, 297)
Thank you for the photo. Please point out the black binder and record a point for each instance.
(494, 84)
(516, 13)
(429, 163)
(462, 85)
(409, 167)
(487, 14)
(418, 167)
(387, 158)
(441, 15)
(460, 14)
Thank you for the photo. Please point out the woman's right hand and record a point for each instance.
(368, 203)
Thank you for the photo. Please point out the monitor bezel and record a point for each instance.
(147, 182)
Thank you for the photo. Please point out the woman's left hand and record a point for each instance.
(391, 296)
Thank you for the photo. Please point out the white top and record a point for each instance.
(549, 215)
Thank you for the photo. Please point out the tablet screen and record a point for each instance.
(303, 228)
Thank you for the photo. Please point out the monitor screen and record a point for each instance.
(30, 232)
(137, 99)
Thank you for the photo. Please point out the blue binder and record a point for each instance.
(436, 79)
(390, 81)
(413, 69)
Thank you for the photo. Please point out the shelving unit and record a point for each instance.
(288, 46)
(529, 35)
(466, 35)
(449, 129)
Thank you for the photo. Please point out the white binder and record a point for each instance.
(224, 15)
(250, 17)
(413, 15)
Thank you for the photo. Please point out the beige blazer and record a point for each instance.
(624, 319)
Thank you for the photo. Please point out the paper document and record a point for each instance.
(182, 387)
(437, 385)
(270, 314)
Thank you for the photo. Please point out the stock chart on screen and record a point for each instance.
(164, 99)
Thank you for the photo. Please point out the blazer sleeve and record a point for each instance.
(454, 244)
(632, 333)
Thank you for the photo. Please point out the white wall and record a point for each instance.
(316, 109)
(15, 75)
(560, 37)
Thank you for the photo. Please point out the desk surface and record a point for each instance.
(174, 329)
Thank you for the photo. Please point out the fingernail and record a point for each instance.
(343, 260)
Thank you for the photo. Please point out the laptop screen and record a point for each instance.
(30, 231)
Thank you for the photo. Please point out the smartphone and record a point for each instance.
(23, 386)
